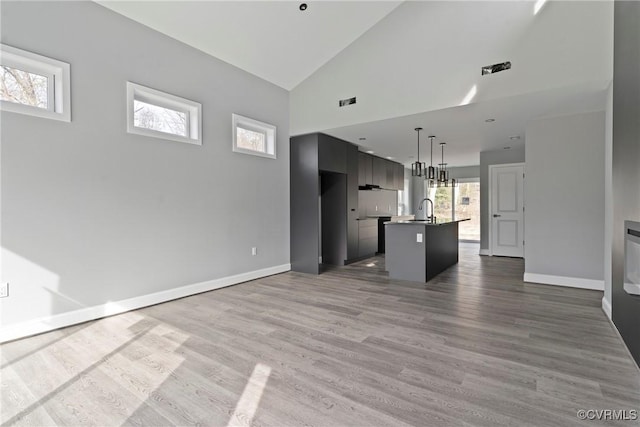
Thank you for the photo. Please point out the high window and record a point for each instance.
(151, 112)
(253, 137)
(34, 84)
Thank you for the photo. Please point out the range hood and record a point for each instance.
(369, 187)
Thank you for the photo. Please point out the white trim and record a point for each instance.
(267, 129)
(571, 282)
(58, 75)
(606, 307)
(632, 288)
(49, 323)
(192, 109)
(485, 252)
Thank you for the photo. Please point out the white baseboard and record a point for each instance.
(484, 252)
(49, 323)
(606, 307)
(572, 282)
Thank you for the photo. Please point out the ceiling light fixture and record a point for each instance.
(490, 120)
(514, 138)
(443, 172)
(418, 167)
(431, 171)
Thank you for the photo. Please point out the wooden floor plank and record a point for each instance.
(476, 346)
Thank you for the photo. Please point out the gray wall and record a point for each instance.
(91, 214)
(465, 172)
(564, 196)
(488, 158)
(626, 158)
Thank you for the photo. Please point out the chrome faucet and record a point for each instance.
(430, 218)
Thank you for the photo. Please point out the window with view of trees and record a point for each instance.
(459, 202)
(441, 197)
(151, 112)
(161, 119)
(250, 140)
(253, 137)
(34, 84)
(468, 206)
(23, 87)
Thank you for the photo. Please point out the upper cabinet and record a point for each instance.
(365, 168)
(380, 172)
(332, 154)
(373, 170)
(398, 176)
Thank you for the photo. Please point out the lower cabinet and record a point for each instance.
(367, 237)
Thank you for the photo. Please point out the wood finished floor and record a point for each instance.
(475, 346)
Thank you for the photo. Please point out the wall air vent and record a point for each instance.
(495, 68)
(345, 102)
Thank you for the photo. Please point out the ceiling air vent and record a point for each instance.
(495, 68)
(345, 102)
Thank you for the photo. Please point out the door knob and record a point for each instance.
(496, 215)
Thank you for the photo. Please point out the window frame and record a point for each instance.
(192, 109)
(58, 76)
(268, 130)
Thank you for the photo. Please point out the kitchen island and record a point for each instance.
(420, 250)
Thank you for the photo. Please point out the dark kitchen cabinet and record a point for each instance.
(379, 172)
(332, 154)
(367, 237)
(399, 176)
(352, 201)
(390, 172)
(365, 169)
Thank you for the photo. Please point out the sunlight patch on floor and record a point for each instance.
(250, 398)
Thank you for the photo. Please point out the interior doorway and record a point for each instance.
(506, 210)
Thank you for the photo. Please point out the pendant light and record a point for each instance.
(443, 172)
(431, 174)
(431, 171)
(418, 168)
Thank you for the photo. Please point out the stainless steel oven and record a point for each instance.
(632, 257)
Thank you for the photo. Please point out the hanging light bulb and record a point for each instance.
(431, 171)
(418, 168)
(442, 173)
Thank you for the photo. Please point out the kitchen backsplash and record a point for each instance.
(383, 202)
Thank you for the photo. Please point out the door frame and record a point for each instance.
(490, 186)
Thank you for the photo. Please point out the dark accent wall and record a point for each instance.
(323, 210)
(305, 233)
(626, 163)
(333, 192)
(352, 202)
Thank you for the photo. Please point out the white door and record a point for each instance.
(507, 209)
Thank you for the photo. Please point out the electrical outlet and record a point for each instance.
(254, 251)
(419, 237)
(4, 290)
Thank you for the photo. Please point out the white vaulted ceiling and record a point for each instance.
(271, 39)
(408, 63)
